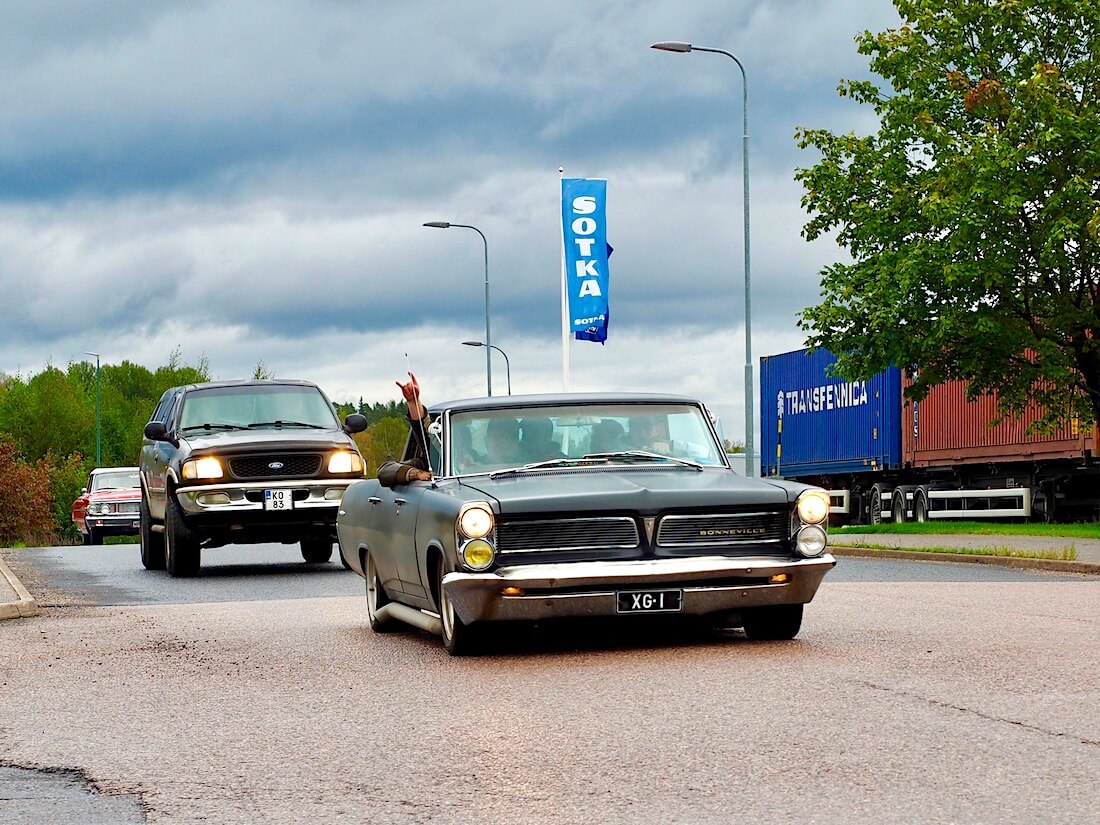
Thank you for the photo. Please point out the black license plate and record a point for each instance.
(649, 601)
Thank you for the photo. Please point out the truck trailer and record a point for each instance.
(885, 458)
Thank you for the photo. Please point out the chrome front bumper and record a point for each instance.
(321, 494)
(581, 589)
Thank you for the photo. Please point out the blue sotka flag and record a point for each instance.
(584, 232)
(597, 333)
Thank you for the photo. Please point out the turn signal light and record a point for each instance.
(779, 578)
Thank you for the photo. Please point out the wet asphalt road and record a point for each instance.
(916, 692)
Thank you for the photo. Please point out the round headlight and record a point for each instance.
(811, 541)
(478, 554)
(813, 506)
(475, 521)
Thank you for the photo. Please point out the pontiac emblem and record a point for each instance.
(275, 465)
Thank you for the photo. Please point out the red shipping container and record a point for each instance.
(945, 428)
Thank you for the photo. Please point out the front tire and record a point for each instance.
(459, 638)
(875, 514)
(183, 556)
(152, 544)
(94, 536)
(317, 550)
(775, 623)
(376, 599)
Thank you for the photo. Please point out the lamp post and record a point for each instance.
(98, 420)
(507, 365)
(488, 339)
(675, 46)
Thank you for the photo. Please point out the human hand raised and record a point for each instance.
(410, 389)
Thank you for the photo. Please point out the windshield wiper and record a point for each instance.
(211, 426)
(642, 455)
(552, 462)
(281, 423)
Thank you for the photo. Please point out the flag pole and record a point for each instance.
(565, 325)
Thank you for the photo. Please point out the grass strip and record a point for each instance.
(1083, 530)
(1067, 553)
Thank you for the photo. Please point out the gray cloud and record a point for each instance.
(247, 181)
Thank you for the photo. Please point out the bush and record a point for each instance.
(26, 499)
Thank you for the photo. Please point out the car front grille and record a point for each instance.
(127, 507)
(276, 465)
(729, 529)
(609, 532)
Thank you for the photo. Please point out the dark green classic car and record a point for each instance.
(570, 506)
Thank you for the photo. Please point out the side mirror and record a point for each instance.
(355, 423)
(156, 431)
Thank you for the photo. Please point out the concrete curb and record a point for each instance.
(1054, 565)
(24, 606)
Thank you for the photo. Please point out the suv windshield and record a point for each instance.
(256, 407)
(487, 440)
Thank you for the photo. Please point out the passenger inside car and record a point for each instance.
(502, 441)
(608, 436)
(537, 440)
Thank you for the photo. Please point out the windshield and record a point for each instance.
(487, 440)
(122, 480)
(257, 406)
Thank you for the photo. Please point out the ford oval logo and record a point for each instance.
(275, 465)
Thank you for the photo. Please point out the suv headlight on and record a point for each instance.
(208, 467)
(812, 509)
(345, 461)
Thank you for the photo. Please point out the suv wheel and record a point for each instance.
(152, 544)
(317, 550)
(181, 548)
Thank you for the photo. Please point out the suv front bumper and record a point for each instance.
(319, 495)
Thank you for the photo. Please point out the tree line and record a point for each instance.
(48, 435)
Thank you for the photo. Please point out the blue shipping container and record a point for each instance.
(812, 423)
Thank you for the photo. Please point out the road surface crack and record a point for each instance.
(972, 712)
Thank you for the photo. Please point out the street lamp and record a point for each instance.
(488, 338)
(507, 365)
(676, 46)
(98, 420)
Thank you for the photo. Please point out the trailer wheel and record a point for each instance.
(877, 495)
(920, 506)
(899, 506)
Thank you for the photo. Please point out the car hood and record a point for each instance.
(126, 494)
(630, 489)
(265, 440)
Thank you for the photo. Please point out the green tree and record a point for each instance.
(382, 441)
(971, 215)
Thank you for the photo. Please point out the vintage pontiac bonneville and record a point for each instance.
(569, 506)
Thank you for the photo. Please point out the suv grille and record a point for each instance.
(723, 529)
(259, 466)
(612, 532)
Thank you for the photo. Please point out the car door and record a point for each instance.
(393, 526)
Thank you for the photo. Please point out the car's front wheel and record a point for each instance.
(459, 638)
(152, 544)
(183, 556)
(776, 622)
(317, 549)
(376, 599)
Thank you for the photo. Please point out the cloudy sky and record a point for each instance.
(247, 181)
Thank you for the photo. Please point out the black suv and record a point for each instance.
(241, 462)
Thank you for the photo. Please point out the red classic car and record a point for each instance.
(109, 504)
